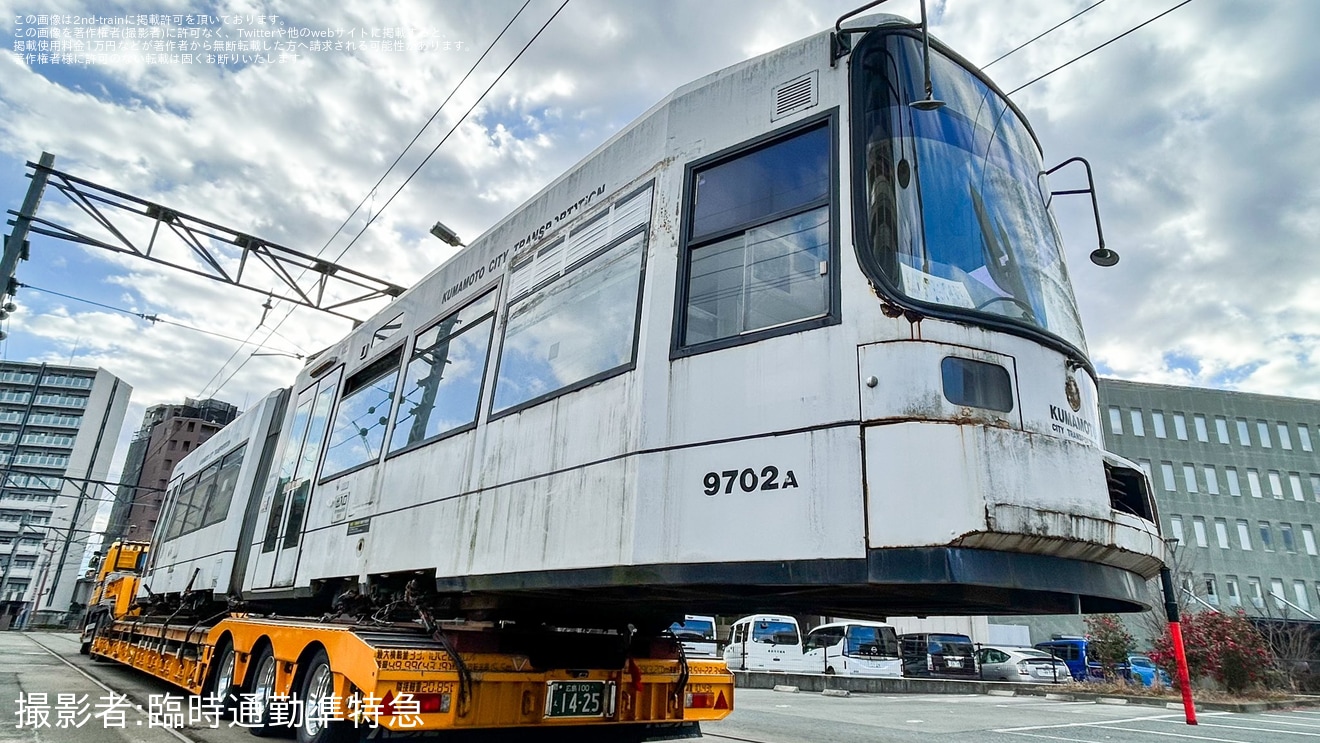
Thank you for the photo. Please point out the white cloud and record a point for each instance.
(1198, 126)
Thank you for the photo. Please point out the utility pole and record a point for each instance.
(16, 242)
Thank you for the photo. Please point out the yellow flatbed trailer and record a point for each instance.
(335, 680)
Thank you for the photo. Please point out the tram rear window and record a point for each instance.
(976, 384)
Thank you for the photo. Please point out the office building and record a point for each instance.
(58, 430)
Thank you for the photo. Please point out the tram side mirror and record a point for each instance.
(1101, 256)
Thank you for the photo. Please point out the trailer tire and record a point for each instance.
(261, 686)
(220, 681)
(318, 685)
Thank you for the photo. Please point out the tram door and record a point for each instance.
(291, 485)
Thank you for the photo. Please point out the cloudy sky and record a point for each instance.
(1200, 127)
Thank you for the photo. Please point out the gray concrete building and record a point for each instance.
(1237, 483)
(58, 429)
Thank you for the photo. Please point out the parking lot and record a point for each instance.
(763, 716)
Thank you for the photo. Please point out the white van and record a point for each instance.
(853, 648)
(765, 642)
(697, 634)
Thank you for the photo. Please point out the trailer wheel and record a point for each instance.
(262, 688)
(318, 724)
(220, 682)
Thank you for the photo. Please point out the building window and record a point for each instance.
(174, 444)
(1211, 590)
(1299, 594)
(1166, 471)
(1221, 429)
(1115, 421)
(1145, 466)
(1244, 534)
(1138, 425)
(1253, 481)
(187, 445)
(1276, 485)
(1266, 536)
(1201, 433)
(1211, 479)
(1315, 487)
(1285, 440)
(1308, 539)
(1234, 487)
(1221, 533)
(1180, 426)
(1244, 434)
(1157, 423)
(1263, 431)
(1253, 592)
(1175, 527)
(1189, 474)
(1198, 530)
(758, 243)
(1286, 537)
(192, 426)
(1276, 593)
(1231, 590)
(1304, 436)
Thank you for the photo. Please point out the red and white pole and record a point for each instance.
(1179, 652)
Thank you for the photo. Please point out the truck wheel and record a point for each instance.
(262, 688)
(318, 724)
(220, 682)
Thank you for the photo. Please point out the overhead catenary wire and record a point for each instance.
(408, 180)
(155, 319)
(419, 133)
(1041, 35)
(1098, 48)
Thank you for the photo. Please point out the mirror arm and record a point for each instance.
(1101, 256)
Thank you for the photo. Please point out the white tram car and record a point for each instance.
(785, 343)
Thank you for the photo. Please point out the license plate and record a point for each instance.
(953, 662)
(578, 698)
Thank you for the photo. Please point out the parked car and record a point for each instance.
(697, 633)
(853, 647)
(1137, 669)
(766, 642)
(1143, 669)
(1021, 664)
(938, 655)
(1070, 650)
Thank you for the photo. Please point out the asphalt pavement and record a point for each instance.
(108, 702)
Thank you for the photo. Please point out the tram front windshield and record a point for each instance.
(954, 205)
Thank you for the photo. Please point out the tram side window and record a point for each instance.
(759, 239)
(217, 506)
(364, 411)
(204, 491)
(442, 385)
(183, 508)
(579, 328)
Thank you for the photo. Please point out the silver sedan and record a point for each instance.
(1021, 664)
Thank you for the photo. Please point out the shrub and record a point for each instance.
(1224, 647)
(1108, 642)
